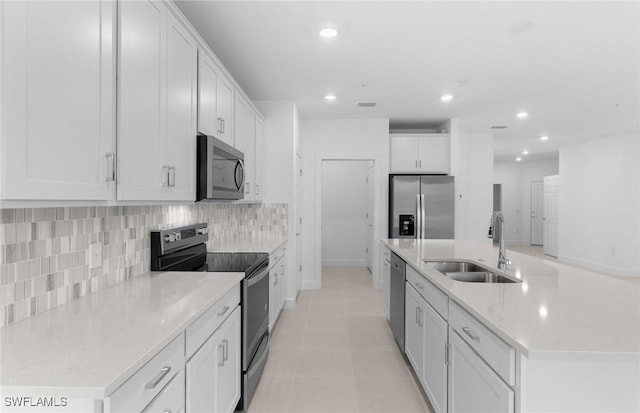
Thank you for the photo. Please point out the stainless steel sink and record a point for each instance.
(467, 271)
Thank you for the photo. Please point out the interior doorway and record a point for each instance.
(537, 207)
(346, 204)
(551, 207)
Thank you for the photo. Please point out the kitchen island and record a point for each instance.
(574, 333)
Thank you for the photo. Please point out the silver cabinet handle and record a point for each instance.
(221, 347)
(420, 163)
(219, 125)
(111, 167)
(166, 411)
(225, 350)
(419, 285)
(257, 189)
(171, 176)
(153, 383)
(473, 337)
(247, 185)
(417, 316)
(224, 310)
(222, 119)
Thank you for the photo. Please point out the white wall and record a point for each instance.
(600, 204)
(281, 137)
(473, 171)
(340, 139)
(344, 196)
(516, 181)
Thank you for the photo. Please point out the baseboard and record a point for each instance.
(344, 263)
(607, 269)
(290, 303)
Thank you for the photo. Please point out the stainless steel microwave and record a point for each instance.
(220, 171)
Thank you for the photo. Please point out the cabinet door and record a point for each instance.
(259, 159)
(403, 154)
(282, 283)
(385, 265)
(473, 386)
(228, 388)
(434, 375)
(181, 98)
(170, 399)
(207, 96)
(273, 296)
(414, 330)
(225, 111)
(213, 373)
(58, 100)
(433, 154)
(141, 102)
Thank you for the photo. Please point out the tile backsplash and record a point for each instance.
(45, 252)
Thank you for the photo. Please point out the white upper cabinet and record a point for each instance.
(420, 153)
(259, 182)
(215, 100)
(58, 100)
(245, 131)
(157, 105)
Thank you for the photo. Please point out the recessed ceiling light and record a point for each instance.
(330, 98)
(522, 115)
(446, 98)
(328, 33)
(518, 159)
(525, 152)
(544, 138)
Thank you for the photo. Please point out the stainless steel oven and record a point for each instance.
(184, 249)
(219, 170)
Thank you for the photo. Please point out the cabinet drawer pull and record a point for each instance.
(163, 373)
(419, 285)
(172, 176)
(111, 167)
(473, 337)
(221, 362)
(224, 310)
(225, 350)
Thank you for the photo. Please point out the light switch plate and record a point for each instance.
(95, 255)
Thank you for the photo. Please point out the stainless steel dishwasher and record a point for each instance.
(396, 311)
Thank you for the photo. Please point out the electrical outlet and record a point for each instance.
(95, 255)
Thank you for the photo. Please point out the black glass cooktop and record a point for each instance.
(245, 262)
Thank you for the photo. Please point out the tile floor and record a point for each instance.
(335, 353)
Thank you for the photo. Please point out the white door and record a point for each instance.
(141, 105)
(537, 210)
(204, 374)
(551, 213)
(58, 100)
(181, 119)
(299, 226)
(473, 386)
(369, 215)
(434, 375)
(433, 154)
(225, 109)
(414, 329)
(228, 388)
(403, 154)
(207, 96)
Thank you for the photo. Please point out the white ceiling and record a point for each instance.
(577, 71)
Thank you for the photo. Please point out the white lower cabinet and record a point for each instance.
(414, 329)
(385, 279)
(171, 398)
(277, 284)
(213, 373)
(473, 386)
(434, 374)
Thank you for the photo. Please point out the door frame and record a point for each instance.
(531, 201)
(377, 281)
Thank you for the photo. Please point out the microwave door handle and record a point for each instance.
(239, 166)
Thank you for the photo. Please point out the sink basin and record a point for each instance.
(471, 272)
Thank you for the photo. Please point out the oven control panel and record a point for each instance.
(166, 240)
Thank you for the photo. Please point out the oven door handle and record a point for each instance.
(259, 275)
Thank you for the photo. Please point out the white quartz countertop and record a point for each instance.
(258, 244)
(88, 347)
(557, 310)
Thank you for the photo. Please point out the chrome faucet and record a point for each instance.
(503, 261)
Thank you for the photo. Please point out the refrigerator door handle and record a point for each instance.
(423, 210)
(418, 229)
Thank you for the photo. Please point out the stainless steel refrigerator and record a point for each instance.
(421, 206)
